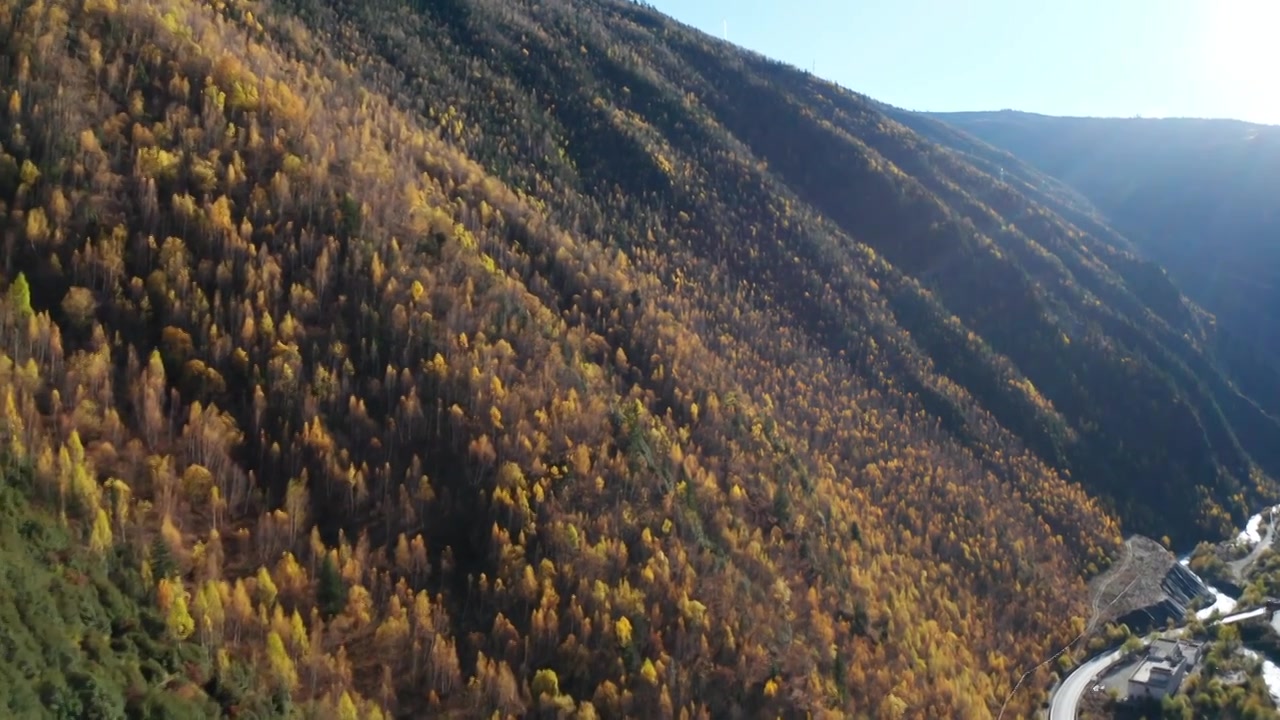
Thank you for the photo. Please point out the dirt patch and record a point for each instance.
(1146, 587)
(1133, 581)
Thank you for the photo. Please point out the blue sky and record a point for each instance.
(1156, 58)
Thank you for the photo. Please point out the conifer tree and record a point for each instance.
(161, 558)
(20, 297)
(331, 590)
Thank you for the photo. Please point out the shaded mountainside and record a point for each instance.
(1199, 197)
(552, 358)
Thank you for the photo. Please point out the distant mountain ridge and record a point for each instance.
(1201, 197)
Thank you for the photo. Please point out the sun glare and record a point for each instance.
(1241, 57)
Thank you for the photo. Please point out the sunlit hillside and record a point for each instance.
(555, 360)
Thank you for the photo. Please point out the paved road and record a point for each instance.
(1240, 567)
(1064, 705)
(1065, 702)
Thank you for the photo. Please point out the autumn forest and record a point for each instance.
(551, 359)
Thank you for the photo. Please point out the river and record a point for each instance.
(1224, 604)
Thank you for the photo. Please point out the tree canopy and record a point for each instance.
(552, 359)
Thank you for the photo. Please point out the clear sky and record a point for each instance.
(1155, 58)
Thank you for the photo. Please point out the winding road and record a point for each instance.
(1066, 701)
(1240, 567)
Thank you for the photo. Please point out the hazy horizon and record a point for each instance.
(1195, 59)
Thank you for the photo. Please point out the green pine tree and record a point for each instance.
(20, 296)
(331, 591)
(162, 564)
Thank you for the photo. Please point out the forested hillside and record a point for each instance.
(1197, 196)
(87, 632)
(553, 359)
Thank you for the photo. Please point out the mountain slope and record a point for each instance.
(1197, 196)
(82, 634)
(549, 358)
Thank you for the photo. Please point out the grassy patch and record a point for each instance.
(79, 634)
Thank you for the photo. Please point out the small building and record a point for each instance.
(1162, 671)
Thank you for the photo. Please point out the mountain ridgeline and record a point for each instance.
(553, 359)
